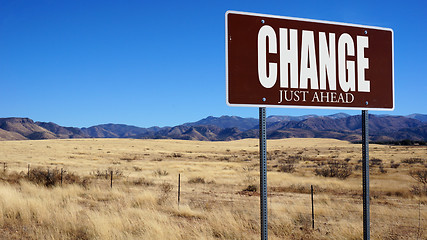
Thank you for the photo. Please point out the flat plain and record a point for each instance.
(219, 189)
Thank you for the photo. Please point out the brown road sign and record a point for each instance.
(275, 61)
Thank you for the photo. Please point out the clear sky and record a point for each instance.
(162, 63)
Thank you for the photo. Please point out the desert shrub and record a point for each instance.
(197, 180)
(12, 177)
(85, 181)
(116, 172)
(165, 189)
(303, 221)
(419, 190)
(382, 170)
(52, 177)
(100, 173)
(137, 169)
(42, 177)
(71, 178)
(293, 188)
(294, 159)
(419, 175)
(287, 168)
(142, 182)
(394, 165)
(251, 188)
(130, 158)
(413, 161)
(248, 168)
(335, 168)
(275, 152)
(160, 173)
(375, 161)
(107, 173)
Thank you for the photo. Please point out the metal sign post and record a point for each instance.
(365, 174)
(263, 172)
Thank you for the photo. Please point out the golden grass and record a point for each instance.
(143, 201)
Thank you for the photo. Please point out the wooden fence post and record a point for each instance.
(312, 207)
(111, 183)
(179, 188)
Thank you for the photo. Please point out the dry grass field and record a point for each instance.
(219, 189)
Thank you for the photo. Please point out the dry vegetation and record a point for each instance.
(219, 189)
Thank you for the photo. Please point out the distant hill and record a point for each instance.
(275, 118)
(227, 122)
(121, 130)
(421, 117)
(7, 135)
(63, 132)
(117, 131)
(349, 128)
(23, 128)
(382, 128)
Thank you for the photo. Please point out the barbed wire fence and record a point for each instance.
(328, 214)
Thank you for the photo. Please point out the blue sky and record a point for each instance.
(162, 63)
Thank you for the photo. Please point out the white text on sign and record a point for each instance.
(314, 74)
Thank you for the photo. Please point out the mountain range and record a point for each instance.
(382, 128)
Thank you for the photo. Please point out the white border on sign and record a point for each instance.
(305, 20)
